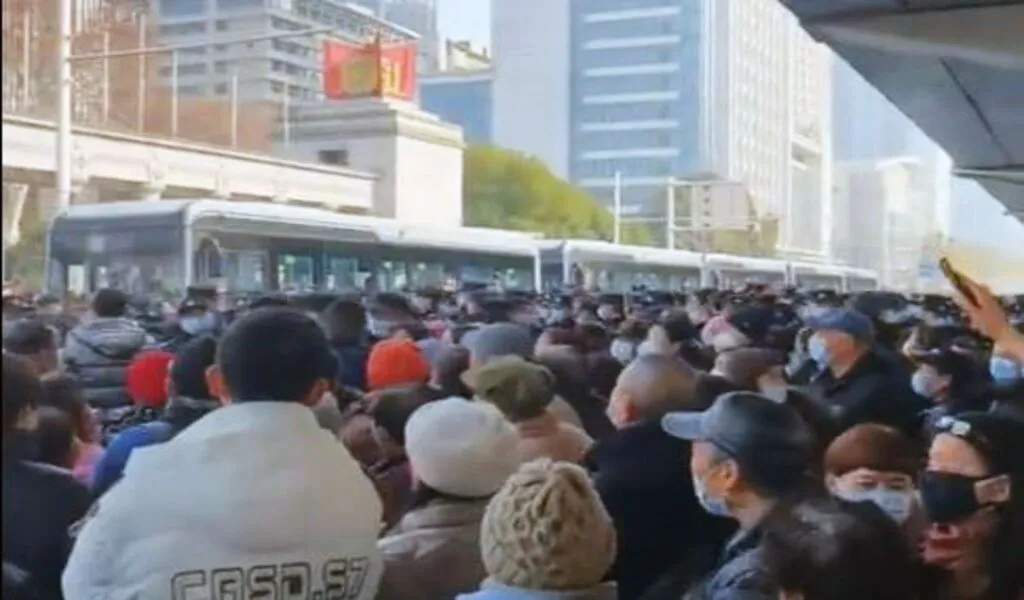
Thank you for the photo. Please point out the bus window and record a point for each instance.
(295, 272)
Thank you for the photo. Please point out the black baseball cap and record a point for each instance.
(752, 429)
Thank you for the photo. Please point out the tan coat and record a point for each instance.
(548, 437)
(433, 553)
(565, 412)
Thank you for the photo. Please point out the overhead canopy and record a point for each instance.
(956, 67)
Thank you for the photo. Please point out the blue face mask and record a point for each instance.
(198, 324)
(1004, 370)
(924, 384)
(898, 504)
(818, 351)
(378, 328)
(714, 506)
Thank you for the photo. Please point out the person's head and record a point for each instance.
(748, 452)
(602, 372)
(945, 374)
(146, 378)
(519, 389)
(396, 362)
(109, 303)
(460, 448)
(651, 386)
(668, 335)
(822, 550)
(65, 392)
(55, 438)
(195, 317)
(556, 337)
(446, 375)
(971, 490)
(875, 463)
(745, 367)
(187, 376)
(35, 341)
(391, 413)
(275, 355)
(840, 337)
(22, 393)
(546, 529)
(496, 340)
(345, 321)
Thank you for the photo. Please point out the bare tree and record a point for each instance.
(106, 92)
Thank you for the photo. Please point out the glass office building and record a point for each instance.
(462, 98)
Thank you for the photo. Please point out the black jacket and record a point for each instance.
(643, 477)
(876, 390)
(99, 352)
(40, 504)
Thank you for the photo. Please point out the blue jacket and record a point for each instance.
(352, 365)
(110, 467)
(492, 590)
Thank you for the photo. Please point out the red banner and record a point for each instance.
(370, 70)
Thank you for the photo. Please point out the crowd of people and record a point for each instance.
(742, 445)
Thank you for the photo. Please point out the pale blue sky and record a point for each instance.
(976, 216)
(466, 19)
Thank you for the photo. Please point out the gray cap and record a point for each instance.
(498, 339)
(750, 428)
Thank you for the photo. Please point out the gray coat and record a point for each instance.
(98, 353)
(433, 553)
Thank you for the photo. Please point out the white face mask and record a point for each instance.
(649, 347)
(623, 351)
(898, 504)
(730, 339)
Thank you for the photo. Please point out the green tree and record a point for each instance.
(508, 190)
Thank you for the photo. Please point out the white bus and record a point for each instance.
(616, 268)
(165, 246)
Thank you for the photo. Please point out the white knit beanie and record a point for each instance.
(460, 447)
(546, 529)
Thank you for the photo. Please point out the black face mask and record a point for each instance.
(947, 497)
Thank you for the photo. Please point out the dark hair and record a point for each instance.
(22, 390)
(65, 393)
(188, 369)
(344, 320)
(449, 366)
(602, 373)
(592, 337)
(272, 300)
(391, 302)
(678, 327)
(29, 336)
(458, 331)
(395, 406)
(109, 302)
(55, 437)
(274, 354)
(827, 550)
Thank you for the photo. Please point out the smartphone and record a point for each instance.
(957, 280)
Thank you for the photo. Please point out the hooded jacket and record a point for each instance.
(254, 497)
(99, 353)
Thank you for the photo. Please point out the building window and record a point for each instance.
(182, 8)
(333, 157)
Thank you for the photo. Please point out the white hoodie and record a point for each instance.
(253, 500)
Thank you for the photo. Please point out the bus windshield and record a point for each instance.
(86, 255)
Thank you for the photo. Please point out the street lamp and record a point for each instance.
(64, 75)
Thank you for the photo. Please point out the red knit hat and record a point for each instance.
(396, 362)
(146, 378)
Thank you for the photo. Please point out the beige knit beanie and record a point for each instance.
(546, 529)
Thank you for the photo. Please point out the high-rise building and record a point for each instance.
(660, 89)
(867, 127)
(266, 70)
(462, 91)
(876, 202)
